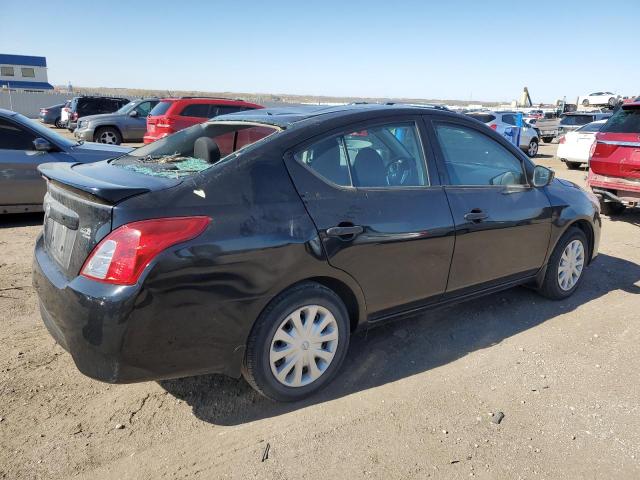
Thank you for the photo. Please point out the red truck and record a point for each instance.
(614, 163)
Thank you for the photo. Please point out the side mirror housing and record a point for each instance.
(542, 176)
(133, 113)
(42, 145)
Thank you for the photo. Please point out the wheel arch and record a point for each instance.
(97, 129)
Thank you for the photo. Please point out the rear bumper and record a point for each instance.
(124, 334)
(619, 189)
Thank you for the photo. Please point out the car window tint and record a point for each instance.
(143, 109)
(472, 158)
(328, 159)
(483, 117)
(591, 127)
(224, 109)
(161, 108)
(13, 137)
(196, 110)
(625, 120)
(386, 156)
(509, 119)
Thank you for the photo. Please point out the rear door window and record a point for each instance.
(144, 108)
(380, 156)
(160, 109)
(509, 119)
(625, 120)
(483, 117)
(576, 120)
(200, 110)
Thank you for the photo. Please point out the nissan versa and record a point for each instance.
(258, 242)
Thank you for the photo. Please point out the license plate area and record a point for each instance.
(59, 241)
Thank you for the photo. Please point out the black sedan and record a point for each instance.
(258, 242)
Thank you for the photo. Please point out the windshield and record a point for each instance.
(194, 149)
(44, 132)
(576, 119)
(126, 108)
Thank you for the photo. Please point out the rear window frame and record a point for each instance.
(633, 111)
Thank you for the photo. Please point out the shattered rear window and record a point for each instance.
(175, 156)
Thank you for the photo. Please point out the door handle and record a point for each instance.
(476, 215)
(351, 230)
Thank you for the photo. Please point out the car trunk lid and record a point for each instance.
(79, 205)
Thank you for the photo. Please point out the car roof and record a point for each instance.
(285, 117)
(7, 113)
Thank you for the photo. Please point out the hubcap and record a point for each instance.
(303, 346)
(108, 137)
(571, 265)
(533, 149)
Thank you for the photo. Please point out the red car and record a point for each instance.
(173, 114)
(614, 164)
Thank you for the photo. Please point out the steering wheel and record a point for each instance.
(400, 170)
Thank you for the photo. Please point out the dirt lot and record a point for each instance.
(413, 401)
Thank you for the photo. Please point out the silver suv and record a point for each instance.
(503, 123)
(128, 124)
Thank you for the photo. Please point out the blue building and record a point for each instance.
(24, 72)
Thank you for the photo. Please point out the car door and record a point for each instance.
(135, 127)
(502, 224)
(379, 209)
(20, 182)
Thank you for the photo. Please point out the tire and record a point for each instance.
(107, 135)
(532, 150)
(547, 139)
(585, 102)
(572, 165)
(612, 208)
(612, 102)
(57, 123)
(258, 368)
(551, 285)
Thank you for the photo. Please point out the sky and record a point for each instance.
(454, 49)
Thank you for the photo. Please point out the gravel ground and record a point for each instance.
(415, 398)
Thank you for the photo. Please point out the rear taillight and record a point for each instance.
(164, 122)
(74, 116)
(592, 149)
(494, 126)
(122, 255)
(562, 139)
(43, 110)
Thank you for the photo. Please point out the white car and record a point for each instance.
(503, 123)
(600, 98)
(574, 147)
(64, 114)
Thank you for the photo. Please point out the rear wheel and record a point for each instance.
(585, 102)
(612, 102)
(57, 123)
(566, 265)
(572, 165)
(532, 149)
(298, 343)
(108, 135)
(611, 208)
(547, 139)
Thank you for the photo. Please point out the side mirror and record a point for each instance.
(133, 113)
(42, 145)
(542, 176)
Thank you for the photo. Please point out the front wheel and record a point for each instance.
(298, 343)
(566, 265)
(108, 135)
(532, 149)
(585, 102)
(612, 102)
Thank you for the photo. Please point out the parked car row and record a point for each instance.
(114, 120)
